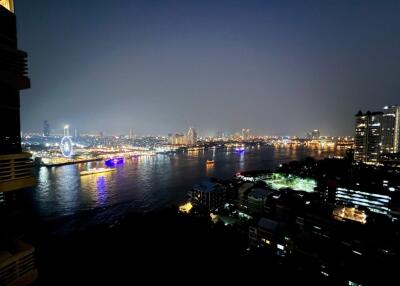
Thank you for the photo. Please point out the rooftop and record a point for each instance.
(268, 224)
(205, 186)
(259, 193)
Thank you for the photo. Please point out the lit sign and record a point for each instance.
(66, 146)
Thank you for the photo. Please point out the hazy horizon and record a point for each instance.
(276, 67)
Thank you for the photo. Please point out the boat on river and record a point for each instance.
(96, 171)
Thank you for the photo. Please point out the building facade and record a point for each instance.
(245, 134)
(377, 133)
(14, 164)
(391, 129)
(46, 128)
(191, 137)
(367, 139)
(16, 258)
(208, 195)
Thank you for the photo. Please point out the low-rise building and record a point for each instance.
(256, 200)
(209, 195)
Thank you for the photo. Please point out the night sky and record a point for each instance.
(277, 67)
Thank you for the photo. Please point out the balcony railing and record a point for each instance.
(16, 172)
(13, 67)
(18, 266)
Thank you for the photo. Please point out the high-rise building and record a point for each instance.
(367, 139)
(46, 128)
(66, 130)
(245, 133)
(391, 129)
(131, 134)
(178, 139)
(16, 258)
(191, 137)
(315, 134)
(15, 165)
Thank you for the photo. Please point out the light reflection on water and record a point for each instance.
(148, 183)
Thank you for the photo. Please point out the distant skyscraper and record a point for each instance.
(178, 139)
(315, 134)
(245, 133)
(131, 134)
(76, 133)
(391, 129)
(66, 130)
(191, 137)
(46, 128)
(367, 139)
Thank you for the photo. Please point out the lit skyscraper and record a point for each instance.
(368, 137)
(46, 128)
(178, 139)
(391, 129)
(131, 134)
(191, 137)
(315, 134)
(66, 130)
(245, 133)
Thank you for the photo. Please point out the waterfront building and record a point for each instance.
(16, 258)
(177, 139)
(191, 137)
(315, 134)
(208, 195)
(245, 133)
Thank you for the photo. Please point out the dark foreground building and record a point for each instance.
(16, 257)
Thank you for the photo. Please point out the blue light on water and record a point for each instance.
(101, 189)
(114, 161)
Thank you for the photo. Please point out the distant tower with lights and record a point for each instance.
(315, 134)
(46, 128)
(131, 134)
(367, 138)
(245, 133)
(191, 137)
(66, 130)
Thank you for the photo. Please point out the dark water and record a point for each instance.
(148, 183)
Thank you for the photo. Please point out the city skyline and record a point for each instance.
(222, 81)
(275, 67)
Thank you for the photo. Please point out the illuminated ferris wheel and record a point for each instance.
(66, 143)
